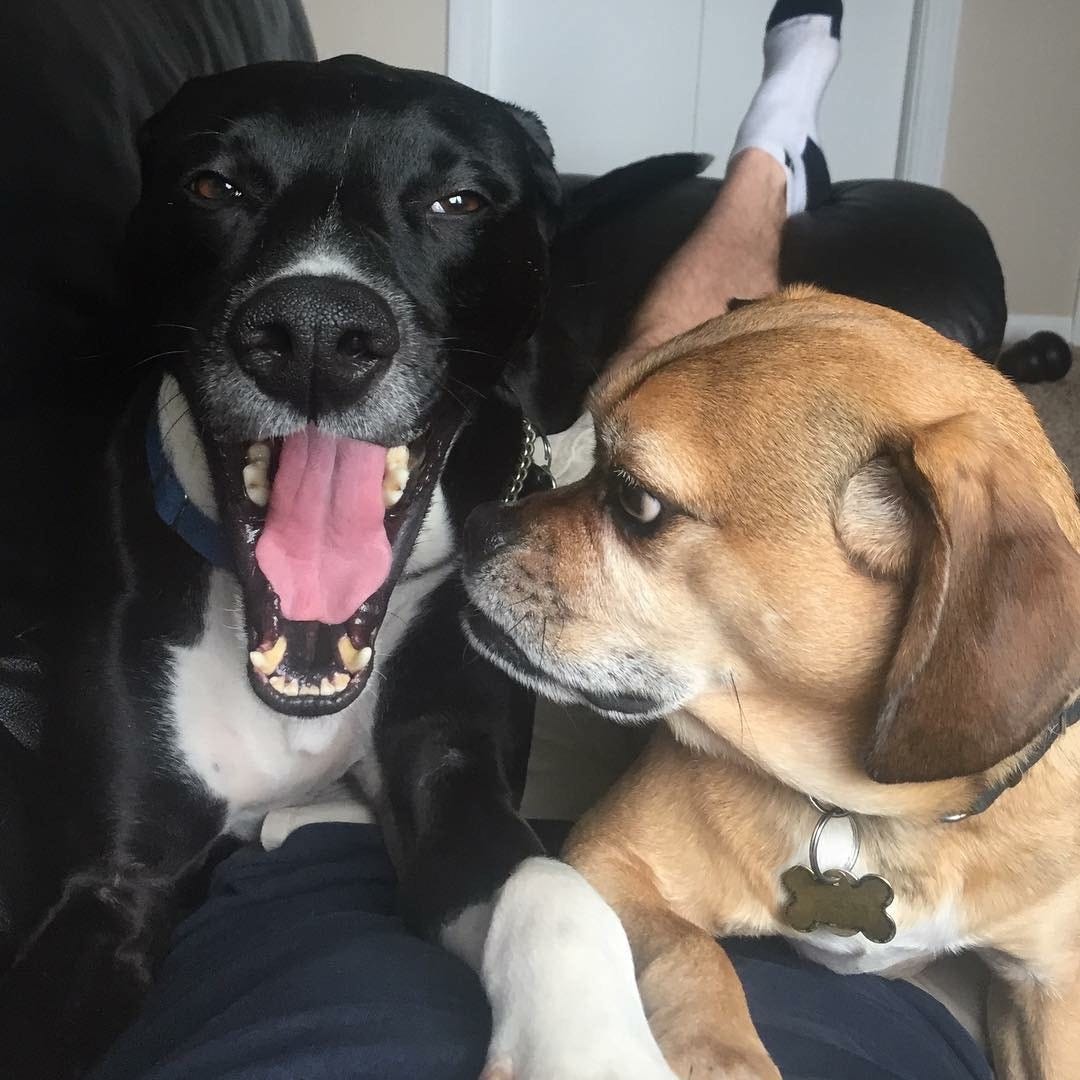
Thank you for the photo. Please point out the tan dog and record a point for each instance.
(837, 553)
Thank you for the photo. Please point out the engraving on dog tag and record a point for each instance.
(839, 903)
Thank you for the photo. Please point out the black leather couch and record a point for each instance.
(77, 78)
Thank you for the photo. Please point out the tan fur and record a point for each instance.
(869, 592)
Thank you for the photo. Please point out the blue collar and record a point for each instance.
(175, 508)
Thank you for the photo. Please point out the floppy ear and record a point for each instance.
(991, 645)
(534, 128)
(551, 376)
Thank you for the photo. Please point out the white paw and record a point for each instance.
(558, 970)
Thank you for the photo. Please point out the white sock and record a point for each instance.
(802, 47)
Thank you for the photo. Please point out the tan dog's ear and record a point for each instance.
(877, 520)
(991, 644)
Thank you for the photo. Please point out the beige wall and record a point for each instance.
(411, 33)
(1014, 142)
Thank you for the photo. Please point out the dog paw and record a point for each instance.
(558, 971)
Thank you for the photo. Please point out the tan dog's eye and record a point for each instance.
(637, 503)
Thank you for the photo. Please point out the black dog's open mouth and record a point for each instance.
(322, 527)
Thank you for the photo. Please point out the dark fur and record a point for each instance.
(122, 836)
(129, 827)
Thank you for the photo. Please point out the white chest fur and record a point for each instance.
(917, 942)
(254, 758)
(920, 937)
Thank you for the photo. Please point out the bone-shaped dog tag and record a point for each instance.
(838, 902)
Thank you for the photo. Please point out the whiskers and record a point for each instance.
(163, 406)
(235, 619)
(185, 412)
(174, 326)
(445, 387)
(154, 356)
(744, 731)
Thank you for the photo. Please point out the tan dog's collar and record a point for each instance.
(835, 901)
(1023, 761)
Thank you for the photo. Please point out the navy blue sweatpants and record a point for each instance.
(297, 968)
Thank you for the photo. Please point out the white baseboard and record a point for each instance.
(1020, 326)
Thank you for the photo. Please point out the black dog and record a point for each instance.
(349, 262)
(340, 271)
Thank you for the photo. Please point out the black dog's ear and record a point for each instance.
(161, 133)
(534, 128)
(148, 143)
(549, 377)
(592, 294)
(542, 158)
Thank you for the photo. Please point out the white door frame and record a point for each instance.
(1075, 338)
(468, 42)
(924, 125)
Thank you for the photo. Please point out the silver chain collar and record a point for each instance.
(526, 458)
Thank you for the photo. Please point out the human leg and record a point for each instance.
(776, 169)
(298, 966)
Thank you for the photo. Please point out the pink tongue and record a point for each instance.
(324, 548)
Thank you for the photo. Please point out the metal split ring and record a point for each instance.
(829, 814)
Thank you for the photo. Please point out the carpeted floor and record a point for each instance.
(1058, 405)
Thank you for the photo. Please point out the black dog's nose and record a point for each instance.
(314, 342)
(489, 527)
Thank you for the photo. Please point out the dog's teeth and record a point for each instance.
(348, 652)
(309, 690)
(397, 457)
(292, 688)
(353, 658)
(276, 653)
(257, 482)
(278, 683)
(339, 680)
(258, 453)
(395, 478)
(326, 687)
(267, 662)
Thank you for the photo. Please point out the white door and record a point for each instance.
(616, 80)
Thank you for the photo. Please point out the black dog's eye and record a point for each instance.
(212, 187)
(461, 202)
(640, 506)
